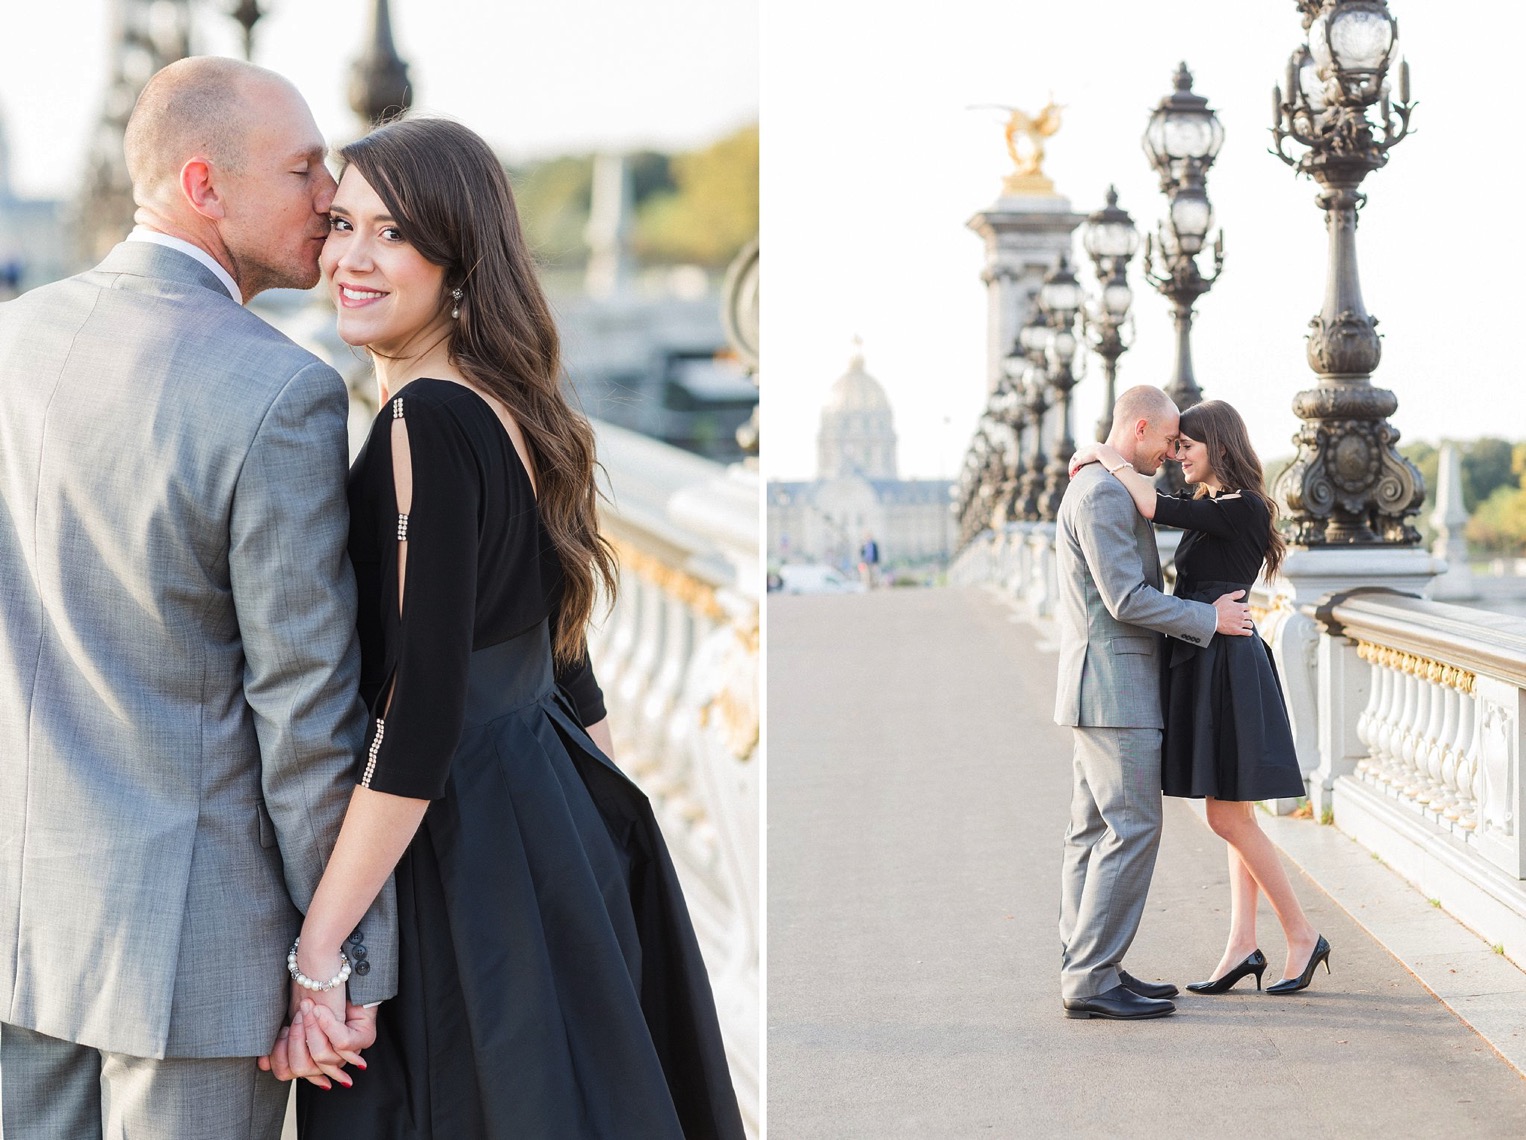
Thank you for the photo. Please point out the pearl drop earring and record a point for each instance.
(455, 311)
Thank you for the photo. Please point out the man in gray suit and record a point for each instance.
(178, 661)
(1112, 615)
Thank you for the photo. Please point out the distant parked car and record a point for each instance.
(816, 578)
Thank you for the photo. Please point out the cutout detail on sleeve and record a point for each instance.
(376, 743)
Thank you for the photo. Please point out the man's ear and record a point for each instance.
(200, 190)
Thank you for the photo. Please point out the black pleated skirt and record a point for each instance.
(1226, 732)
(550, 982)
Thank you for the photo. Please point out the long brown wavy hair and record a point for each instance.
(1222, 432)
(451, 200)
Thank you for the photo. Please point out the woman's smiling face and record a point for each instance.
(388, 296)
(1193, 456)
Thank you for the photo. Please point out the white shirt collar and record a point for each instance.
(154, 237)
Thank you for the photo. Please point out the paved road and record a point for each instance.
(917, 794)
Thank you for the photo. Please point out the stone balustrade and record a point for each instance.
(678, 660)
(1422, 711)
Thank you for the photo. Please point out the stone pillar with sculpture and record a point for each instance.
(1025, 231)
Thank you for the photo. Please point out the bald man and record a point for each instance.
(1113, 620)
(178, 662)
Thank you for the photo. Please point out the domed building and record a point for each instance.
(857, 493)
(857, 435)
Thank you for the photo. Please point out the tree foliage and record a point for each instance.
(712, 210)
(1499, 524)
(553, 199)
(699, 207)
(1486, 467)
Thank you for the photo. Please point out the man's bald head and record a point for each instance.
(226, 156)
(1143, 402)
(195, 108)
(1145, 422)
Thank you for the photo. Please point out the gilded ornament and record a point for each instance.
(1025, 135)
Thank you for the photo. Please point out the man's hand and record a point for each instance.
(1087, 453)
(1234, 616)
(317, 1042)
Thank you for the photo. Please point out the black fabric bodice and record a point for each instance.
(481, 570)
(1225, 540)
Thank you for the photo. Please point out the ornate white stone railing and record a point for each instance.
(1422, 720)
(1017, 558)
(1421, 736)
(678, 661)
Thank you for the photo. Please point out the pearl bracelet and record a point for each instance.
(307, 983)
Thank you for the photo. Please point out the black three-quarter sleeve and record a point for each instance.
(417, 722)
(582, 689)
(1222, 516)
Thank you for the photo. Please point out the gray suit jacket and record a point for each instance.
(179, 718)
(1111, 611)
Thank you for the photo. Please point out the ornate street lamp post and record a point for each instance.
(1110, 239)
(971, 486)
(247, 13)
(994, 457)
(1033, 337)
(1181, 142)
(1348, 483)
(1060, 301)
(1009, 407)
(379, 85)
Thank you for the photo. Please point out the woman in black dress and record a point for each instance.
(550, 984)
(1227, 738)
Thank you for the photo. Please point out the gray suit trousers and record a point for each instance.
(1110, 847)
(57, 1090)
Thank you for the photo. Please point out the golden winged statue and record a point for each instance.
(1025, 143)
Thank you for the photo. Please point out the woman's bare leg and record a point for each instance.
(1243, 897)
(1235, 822)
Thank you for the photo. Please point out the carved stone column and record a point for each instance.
(1024, 237)
(1348, 484)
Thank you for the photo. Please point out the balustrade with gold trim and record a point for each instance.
(678, 658)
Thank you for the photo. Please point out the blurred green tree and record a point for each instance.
(712, 210)
(698, 207)
(1498, 526)
(1486, 467)
(553, 198)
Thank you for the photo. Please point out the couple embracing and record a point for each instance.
(1172, 694)
(307, 775)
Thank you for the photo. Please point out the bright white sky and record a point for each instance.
(533, 77)
(872, 165)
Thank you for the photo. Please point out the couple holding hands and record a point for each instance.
(305, 774)
(1197, 712)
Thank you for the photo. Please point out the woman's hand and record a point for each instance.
(316, 1044)
(1088, 453)
(305, 1048)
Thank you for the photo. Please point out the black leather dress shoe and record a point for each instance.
(1146, 989)
(1118, 1004)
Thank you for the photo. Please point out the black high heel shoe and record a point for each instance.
(1255, 963)
(1293, 985)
